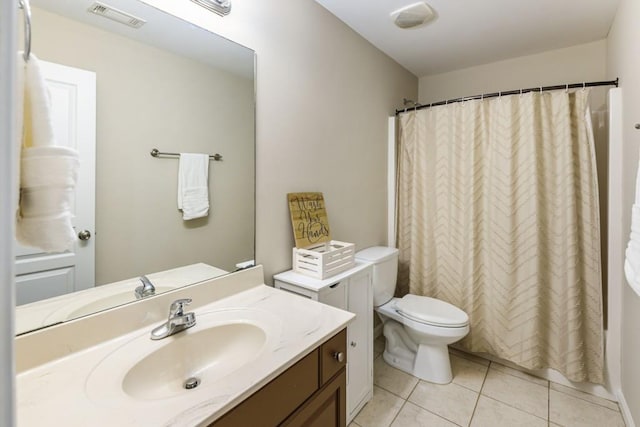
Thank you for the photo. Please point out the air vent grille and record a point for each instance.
(114, 14)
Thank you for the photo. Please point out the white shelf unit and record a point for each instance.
(350, 290)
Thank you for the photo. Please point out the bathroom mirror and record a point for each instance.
(168, 85)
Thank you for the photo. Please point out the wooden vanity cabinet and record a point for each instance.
(310, 393)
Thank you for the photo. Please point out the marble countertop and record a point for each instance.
(61, 391)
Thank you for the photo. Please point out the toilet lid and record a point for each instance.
(431, 311)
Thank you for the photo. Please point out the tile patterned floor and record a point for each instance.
(482, 394)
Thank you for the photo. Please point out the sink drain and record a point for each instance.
(192, 382)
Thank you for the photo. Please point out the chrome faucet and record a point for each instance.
(146, 289)
(178, 320)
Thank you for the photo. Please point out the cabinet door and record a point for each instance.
(359, 341)
(325, 409)
(335, 295)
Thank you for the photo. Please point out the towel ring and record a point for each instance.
(24, 5)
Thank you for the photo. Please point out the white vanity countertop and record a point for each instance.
(61, 391)
(62, 308)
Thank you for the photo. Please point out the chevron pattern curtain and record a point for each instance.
(498, 215)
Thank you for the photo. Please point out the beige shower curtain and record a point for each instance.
(498, 214)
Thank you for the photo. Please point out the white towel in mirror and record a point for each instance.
(48, 173)
(193, 185)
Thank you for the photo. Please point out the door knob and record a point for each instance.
(84, 235)
(339, 356)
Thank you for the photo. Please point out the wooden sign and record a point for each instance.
(308, 218)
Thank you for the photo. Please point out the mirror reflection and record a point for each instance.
(166, 84)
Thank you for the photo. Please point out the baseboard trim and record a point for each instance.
(624, 409)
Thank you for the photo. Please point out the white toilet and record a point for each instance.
(417, 329)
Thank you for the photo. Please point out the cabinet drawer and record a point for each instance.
(329, 356)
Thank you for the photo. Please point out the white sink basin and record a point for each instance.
(207, 355)
(221, 343)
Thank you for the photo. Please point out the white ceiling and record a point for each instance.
(163, 31)
(473, 32)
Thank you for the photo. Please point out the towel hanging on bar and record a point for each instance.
(157, 153)
(193, 185)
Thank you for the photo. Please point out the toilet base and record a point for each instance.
(427, 362)
(432, 364)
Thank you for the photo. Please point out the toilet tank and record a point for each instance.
(385, 271)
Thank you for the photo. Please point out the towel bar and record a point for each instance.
(156, 153)
(24, 5)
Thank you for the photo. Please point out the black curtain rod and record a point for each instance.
(511, 92)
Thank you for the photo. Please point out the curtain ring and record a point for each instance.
(566, 89)
(584, 85)
(520, 92)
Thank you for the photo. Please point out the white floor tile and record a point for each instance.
(570, 411)
(380, 410)
(507, 397)
(517, 392)
(414, 416)
(467, 373)
(392, 379)
(585, 396)
(516, 373)
(491, 413)
(451, 401)
(469, 356)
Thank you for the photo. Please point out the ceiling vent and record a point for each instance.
(221, 7)
(114, 14)
(413, 16)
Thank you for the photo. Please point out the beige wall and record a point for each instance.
(575, 64)
(323, 98)
(149, 98)
(623, 61)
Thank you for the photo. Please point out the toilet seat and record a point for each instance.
(431, 311)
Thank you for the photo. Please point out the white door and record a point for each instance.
(40, 275)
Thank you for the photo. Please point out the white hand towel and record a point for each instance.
(48, 173)
(632, 254)
(193, 181)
